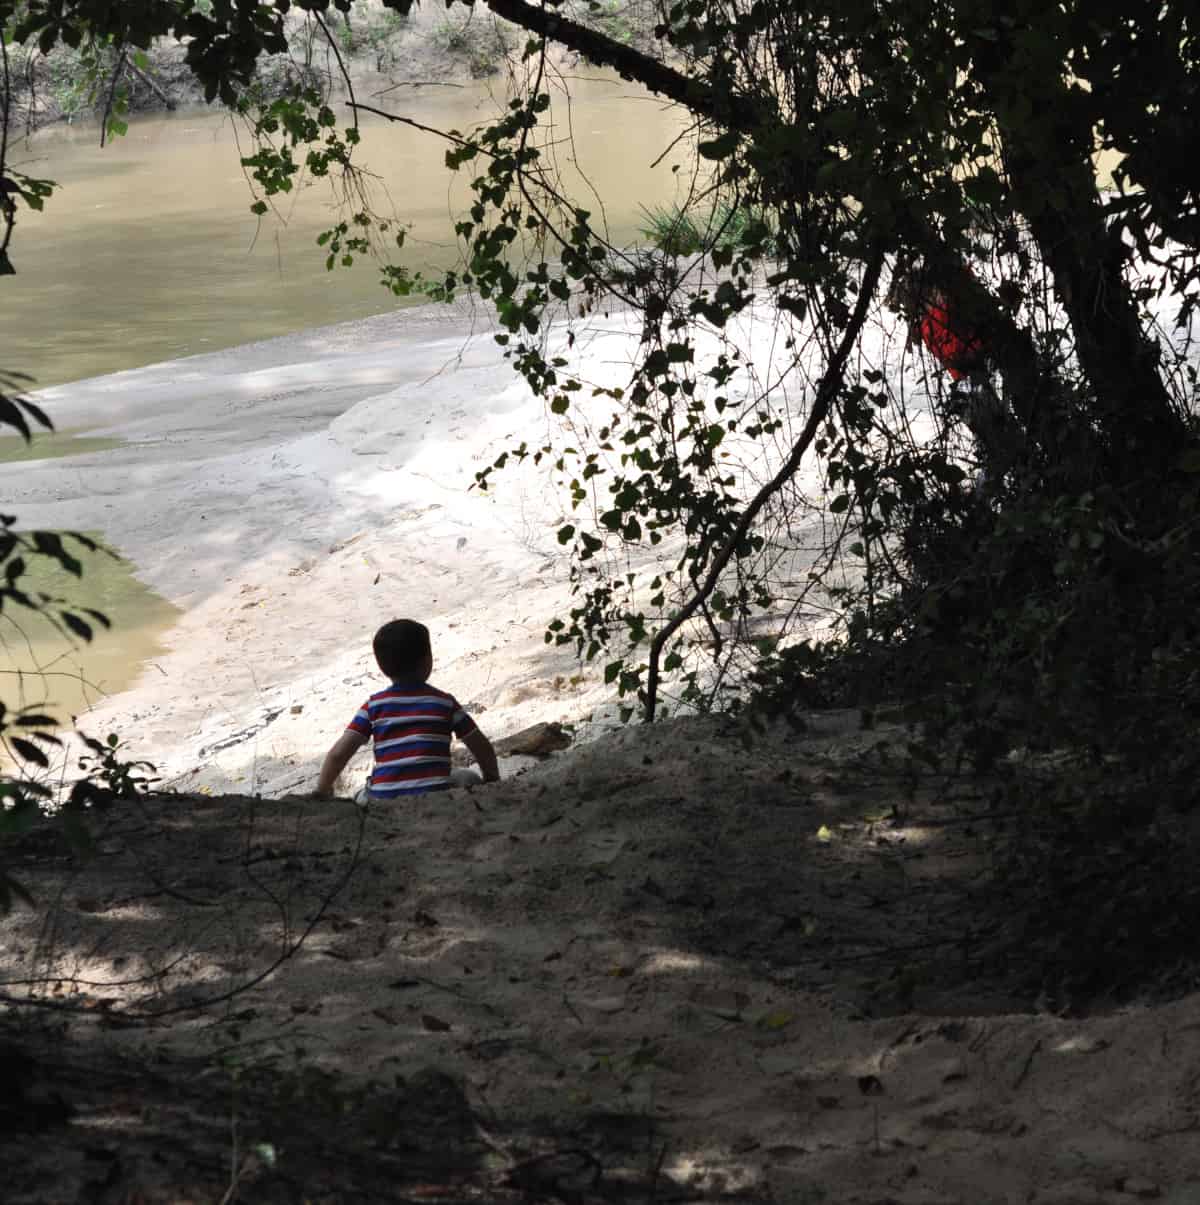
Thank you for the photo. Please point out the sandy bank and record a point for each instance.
(719, 973)
(291, 495)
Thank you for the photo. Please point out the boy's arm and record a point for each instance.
(344, 748)
(481, 749)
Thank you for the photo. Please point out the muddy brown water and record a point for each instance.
(52, 445)
(44, 667)
(148, 252)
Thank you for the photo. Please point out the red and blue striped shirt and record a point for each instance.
(411, 723)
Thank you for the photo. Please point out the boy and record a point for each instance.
(411, 722)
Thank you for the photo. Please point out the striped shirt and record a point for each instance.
(411, 723)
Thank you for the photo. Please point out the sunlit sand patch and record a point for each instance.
(673, 962)
(709, 1173)
(1079, 1044)
(107, 980)
(910, 835)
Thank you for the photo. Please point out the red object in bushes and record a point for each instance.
(959, 351)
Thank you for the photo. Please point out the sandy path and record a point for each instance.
(646, 950)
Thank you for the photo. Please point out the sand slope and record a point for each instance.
(662, 966)
(292, 495)
(667, 966)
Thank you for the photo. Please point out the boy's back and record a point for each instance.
(411, 724)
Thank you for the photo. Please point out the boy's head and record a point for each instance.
(402, 649)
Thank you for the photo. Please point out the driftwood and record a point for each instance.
(152, 84)
(539, 740)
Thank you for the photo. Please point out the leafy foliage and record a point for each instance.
(16, 549)
(106, 766)
(957, 138)
(27, 735)
(677, 230)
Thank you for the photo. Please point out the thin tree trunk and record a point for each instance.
(152, 84)
(831, 383)
(1047, 145)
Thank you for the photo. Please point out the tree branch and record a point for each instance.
(629, 63)
(1013, 349)
(153, 85)
(831, 382)
(8, 203)
(112, 93)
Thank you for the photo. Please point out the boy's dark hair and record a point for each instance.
(401, 646)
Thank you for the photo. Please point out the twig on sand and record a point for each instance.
(236, 1179)
(289, 951)
(571, 1008)
(417, 83)
(656, 1172)
(1028, 1064)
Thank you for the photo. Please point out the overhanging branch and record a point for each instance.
(1011, 345)
(831, 382)
(629, 63)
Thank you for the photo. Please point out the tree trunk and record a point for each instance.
(1047, 143)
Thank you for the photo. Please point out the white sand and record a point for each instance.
(291, 496)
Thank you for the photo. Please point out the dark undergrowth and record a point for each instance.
(1042, 642)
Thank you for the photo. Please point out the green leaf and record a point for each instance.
(28, 751)
(35, 720)
(77, 625)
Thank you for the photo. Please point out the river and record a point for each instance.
(148, 251)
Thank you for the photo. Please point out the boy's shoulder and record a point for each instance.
(414, 690)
